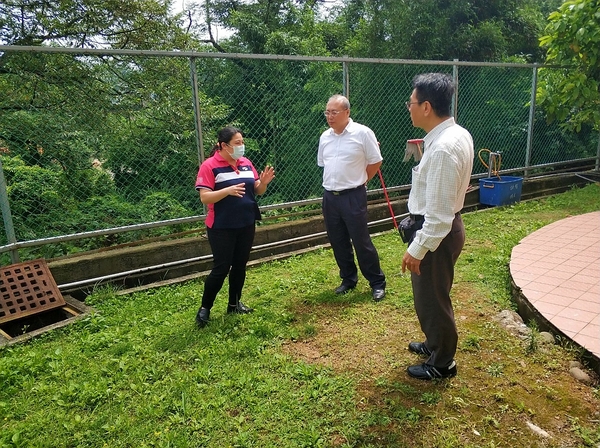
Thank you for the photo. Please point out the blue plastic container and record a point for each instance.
(500, 191)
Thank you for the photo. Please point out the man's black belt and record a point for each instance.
(349, 190)
(418, 218)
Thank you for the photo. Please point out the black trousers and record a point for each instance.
(345, 217)
(431, 292)
(231, 251)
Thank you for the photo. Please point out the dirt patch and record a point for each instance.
(347, 342)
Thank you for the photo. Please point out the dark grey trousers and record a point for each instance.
(431, 292)
(346, 223)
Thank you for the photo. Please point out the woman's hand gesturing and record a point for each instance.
(267, 175)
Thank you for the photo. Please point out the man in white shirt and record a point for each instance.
(439, 185)
(350, 157)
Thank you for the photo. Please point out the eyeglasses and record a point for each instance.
(408, 103)
(333, 113)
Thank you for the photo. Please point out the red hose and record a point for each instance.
(387, 199)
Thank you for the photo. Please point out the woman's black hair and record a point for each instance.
(224, 136)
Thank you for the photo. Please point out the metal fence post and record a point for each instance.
(455, 99)
(7, 216)
(598, 154)
(346, 80)
(531, 119)
(197, 118)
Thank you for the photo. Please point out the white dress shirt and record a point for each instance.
(345, 156)
(439, 184)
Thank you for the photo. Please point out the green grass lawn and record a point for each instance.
(307, 368)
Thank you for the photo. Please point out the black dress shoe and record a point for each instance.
(202, 317)
(378, 294)
(240, 308)
(428, 372)
(419, 348)
(344, 288)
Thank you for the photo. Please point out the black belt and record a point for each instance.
(422, 218)
(341, 192)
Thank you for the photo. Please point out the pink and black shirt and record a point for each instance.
(231, 212)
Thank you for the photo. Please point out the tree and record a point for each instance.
(475, 30)
(570, 94)
(87, 23)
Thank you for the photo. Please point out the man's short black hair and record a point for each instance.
(437, 88)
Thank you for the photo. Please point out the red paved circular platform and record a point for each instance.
(557, 269)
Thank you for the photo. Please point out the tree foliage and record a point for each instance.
(572, 40)
(479, 30)
(87, 23)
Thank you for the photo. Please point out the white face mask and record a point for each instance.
(238, 151)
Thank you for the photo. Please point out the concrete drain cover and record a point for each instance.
(26, 289)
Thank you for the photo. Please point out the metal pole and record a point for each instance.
(197, 118)
(7, 216)
(531, 119)
(598, 155)
(455, 99)
(346, 80)
(197, 121)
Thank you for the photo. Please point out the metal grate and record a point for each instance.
(27, 288)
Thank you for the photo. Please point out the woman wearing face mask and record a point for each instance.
(228, 184)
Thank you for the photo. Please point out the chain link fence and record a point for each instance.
(98, 140)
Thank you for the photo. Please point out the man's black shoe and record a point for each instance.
(344, 288)
(202, 317)
(419, 348)
(428, 372)
(378, 294)
(240, 308)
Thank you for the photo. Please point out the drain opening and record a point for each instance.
(14, 328)
(30, 301)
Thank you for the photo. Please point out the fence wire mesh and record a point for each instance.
(98, 141)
